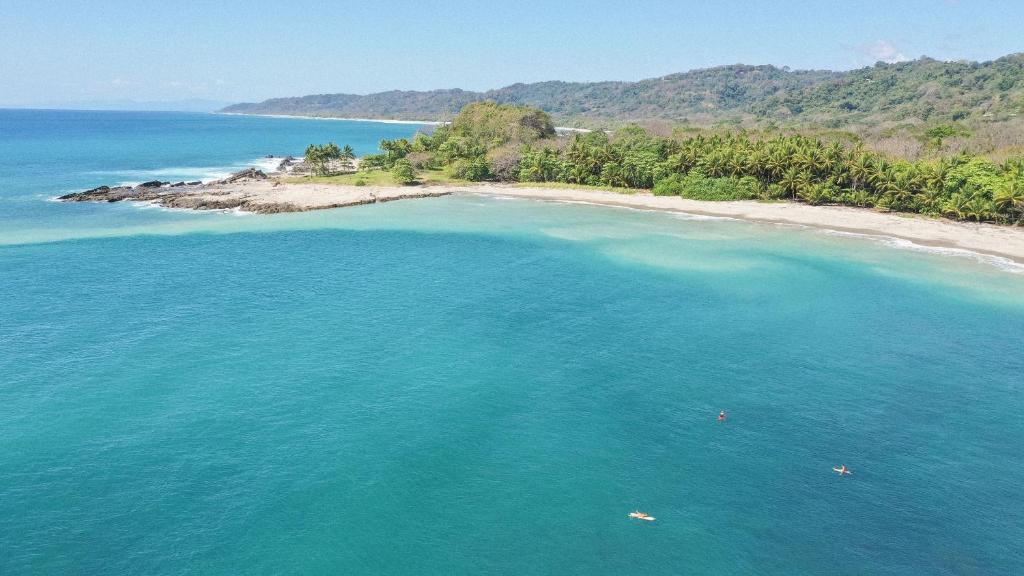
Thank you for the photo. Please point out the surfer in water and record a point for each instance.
(641, 516)
(721, 416)
(842, 470)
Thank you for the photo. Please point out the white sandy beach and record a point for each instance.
(274, 195)
(303, 117)
(982, 238)
(271, 196)
(991, 239)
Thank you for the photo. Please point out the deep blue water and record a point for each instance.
(467, 385)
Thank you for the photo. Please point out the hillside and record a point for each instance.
(919, 91)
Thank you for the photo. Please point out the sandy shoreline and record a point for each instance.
(300, 117)
(261, 195)
(271, 195)
(990, 239)
(379, 120)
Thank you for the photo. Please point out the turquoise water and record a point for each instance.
(470, 385)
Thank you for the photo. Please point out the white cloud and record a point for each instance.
(883, 51)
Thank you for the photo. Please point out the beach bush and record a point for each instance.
(505, 163)
(403, 172)
(494, 124)
(697, 186)
(373, 162)
(423, 161)
(475, 169)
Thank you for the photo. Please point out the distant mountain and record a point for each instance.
(923, 90)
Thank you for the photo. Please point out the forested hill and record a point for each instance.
(923, 90)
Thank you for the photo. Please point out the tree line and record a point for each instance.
(489, 141)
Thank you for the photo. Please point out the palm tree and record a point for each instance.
(860, 170)
(930, 200)
(794, 180)
(775, 164)
(1010, 198)
(737, 164)
(979, 209)
(956, 207)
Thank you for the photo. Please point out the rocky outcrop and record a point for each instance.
(286, 163)
(115, 194)
(246, 190)
(247, 174)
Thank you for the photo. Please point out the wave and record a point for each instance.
(372, 120)
(189, 173)
(1000, 262)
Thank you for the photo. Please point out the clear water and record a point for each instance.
(468, 385)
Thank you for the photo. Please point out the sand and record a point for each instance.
(995, 240)
(1005, 241)
(254, 196)
(272, 195)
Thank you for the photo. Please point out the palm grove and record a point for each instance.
(489, 141)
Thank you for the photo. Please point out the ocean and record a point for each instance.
(476, 385)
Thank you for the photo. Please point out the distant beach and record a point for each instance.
(306, 117)
(565, 129)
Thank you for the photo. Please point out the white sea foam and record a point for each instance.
(296, 117)
(566, 129)
(1000, 262)
(691, 216)
(191, 173)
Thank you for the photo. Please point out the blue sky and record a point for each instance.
(58, 51)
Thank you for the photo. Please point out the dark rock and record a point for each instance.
(102, 194)
(177, 184)
(247, 174)
(81, 196)
(284, 164)
(151, 184)
(194, 183)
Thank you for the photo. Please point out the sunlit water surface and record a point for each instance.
(471, 385)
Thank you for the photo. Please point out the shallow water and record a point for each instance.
(476, 385)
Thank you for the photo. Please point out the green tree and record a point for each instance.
(403, 172)
(320, 157)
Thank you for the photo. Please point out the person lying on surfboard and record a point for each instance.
(842, 470)
(641, 516)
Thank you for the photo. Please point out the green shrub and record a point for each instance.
(474, 170)
(371, 161)
(773, 192)
(697, 186)
(403, 172)
(670, 185)
(423, 161)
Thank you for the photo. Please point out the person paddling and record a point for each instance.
(721, 416)
(842, 470)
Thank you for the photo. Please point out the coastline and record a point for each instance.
(980, 238)
(252, 191)
(381, 121)
(300, 117)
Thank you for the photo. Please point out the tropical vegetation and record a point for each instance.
(324, 159)
(908, 109)
(490, 141)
